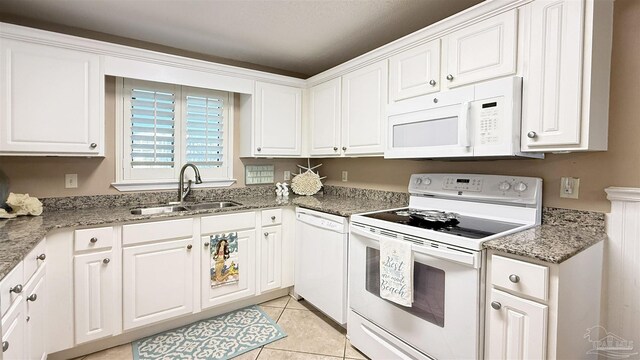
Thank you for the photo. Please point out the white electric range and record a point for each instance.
(448, 218)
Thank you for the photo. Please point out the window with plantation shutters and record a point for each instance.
(166, 126)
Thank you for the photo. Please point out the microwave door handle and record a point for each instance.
(465, 128)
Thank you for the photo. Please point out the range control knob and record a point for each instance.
(418, 181)
(426, 181)
(520, 187)
(504, 186)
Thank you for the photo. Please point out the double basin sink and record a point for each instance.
(171, 208)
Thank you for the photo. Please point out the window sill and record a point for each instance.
(168, 185)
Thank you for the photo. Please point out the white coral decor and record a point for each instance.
(308, 182)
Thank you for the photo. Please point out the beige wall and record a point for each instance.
(44, 176)
(619, 166)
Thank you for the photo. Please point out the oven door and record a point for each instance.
(444, 321)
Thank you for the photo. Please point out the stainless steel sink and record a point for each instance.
(158, 210)
(213, 205)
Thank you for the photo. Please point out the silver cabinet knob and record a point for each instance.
(93, 145)
(94, 240)
(32, 297)
(28, 318)
(273, 218)
(435, 100)
(449, 77)
(16, 289)
(514, 278)
(106, 261)
(344, 148)
(532, 134)
(41, 257)
(189, 247)
(5, 346)
(259, 149)
(206, 244)
(335, 148)
(496, 305)
(266, 234)
(432, 83)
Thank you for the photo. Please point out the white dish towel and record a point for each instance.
(396, 271)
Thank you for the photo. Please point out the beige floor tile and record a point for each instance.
(353, 353)
(310, 332)
(300, 305)
(279, 302)
(122, 352)
(273, 312)
(251, 355)
(272, 354)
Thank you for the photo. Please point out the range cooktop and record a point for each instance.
(445, 222)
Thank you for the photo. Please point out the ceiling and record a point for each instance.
(295, 37)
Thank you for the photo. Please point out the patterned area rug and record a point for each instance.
(220, 337)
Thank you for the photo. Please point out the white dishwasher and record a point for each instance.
(321, 261)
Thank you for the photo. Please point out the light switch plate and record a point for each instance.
(287, 175)
(569, 187)
(345, 176)
(70, 181)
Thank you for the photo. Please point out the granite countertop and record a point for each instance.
(20, 235)
(563, 234)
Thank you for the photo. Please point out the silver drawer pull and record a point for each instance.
(5, 346)
(266, 234)
(335, 148)
(514, 278)
(94, 240)
(432, 83)
(532, 134)
(273, 218)
(32, 297)
(189, 247)
(449, 77)
(206, 244)
(106, 261)
(16, 289)
(93, 145)
(496, 305)
(41, 257)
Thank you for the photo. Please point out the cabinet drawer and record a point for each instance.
(159, 230)
(218, 223)
(93, 239)
(32, 261)
(520, 277)
(14, 278)
(271, 217)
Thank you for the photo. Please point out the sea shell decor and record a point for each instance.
(307, 182)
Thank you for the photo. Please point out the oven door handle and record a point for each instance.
(441, 252)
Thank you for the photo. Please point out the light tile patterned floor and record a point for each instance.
(311, 336)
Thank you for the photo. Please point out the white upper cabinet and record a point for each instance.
(324, 116)
(364, 102)
(481, 51)
(566, 83)
(278, 120)
(415, 72)
(51, 99)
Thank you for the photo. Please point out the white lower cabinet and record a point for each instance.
(35, 297)
(94, 287)
(157, 282)
(213, 294)
(271, 258)
(518, 327)
(13, 332)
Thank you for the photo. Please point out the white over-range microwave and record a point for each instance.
(481, 120)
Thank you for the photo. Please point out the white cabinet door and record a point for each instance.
(517, 329)
(552, 87)
(14, 332)
(415, 72)
(35, 293)
(213, 294)
(278, 120)
(51, 100)
(324, 115)
(481, 51)
(157, 282)
(364, 102)
(271, 258)
(94, 287)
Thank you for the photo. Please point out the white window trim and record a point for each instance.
(121, 184)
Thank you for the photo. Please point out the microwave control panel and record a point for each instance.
(489, 113)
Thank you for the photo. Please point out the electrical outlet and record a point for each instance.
(71, 181)
(287, 175)
(569, 187)
(345, 176)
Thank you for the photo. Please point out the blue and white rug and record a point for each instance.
(220, 337)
